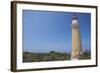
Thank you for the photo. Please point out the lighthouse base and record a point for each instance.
(74, 59)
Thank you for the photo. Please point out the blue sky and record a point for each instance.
(45, 31)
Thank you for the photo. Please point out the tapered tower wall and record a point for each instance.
(76, 40)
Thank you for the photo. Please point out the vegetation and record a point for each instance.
(51, 56)
(86, 55)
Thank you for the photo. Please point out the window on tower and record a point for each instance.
(75, 27)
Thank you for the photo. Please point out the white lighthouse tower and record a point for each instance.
(76, 39)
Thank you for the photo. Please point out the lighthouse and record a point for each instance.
(76, 39)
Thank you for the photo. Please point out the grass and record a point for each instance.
(51, 56)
